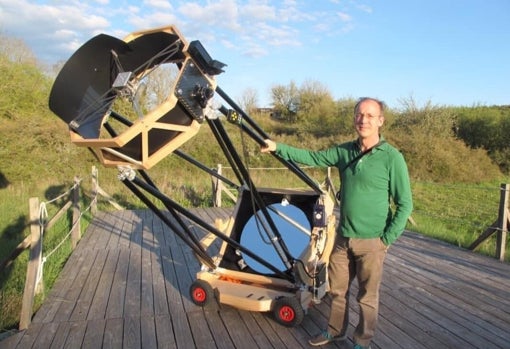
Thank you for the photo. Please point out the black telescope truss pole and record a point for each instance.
(195, 247)
(204, 168)
(134, 183)
(233, 158)
(260, 136)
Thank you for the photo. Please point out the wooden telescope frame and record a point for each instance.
(106, 69)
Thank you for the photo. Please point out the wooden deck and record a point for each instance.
(126, 286)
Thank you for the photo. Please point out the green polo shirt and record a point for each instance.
(367, 187)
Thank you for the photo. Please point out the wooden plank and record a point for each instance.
(75, 336)
(485, 292)
(133, 285)
(179, 319)
(148, 239)
(103, 232)
(113, 333)
(115, 308)
(218, 329)
(413, 324)
(259, 337)
(147, 283)
(99, 303)
(459, 322)
(88, 238)
(70, 298)
(313, 323)
(30, 336)
(443, 250)
(202, 337)
(170, 278)
(46, 335)
(263, 334)
(65, 280)
(158, 287)
(89, 288)
(137, 227)
(132, 336)
(304, 332)
(159, 230)
(12, 340)
(61, 334)
(93, 337)
(183, 276)
(117, 228)
(451, 267)
(130, 220)
(165, 332)
(480, 311)
(148, 332)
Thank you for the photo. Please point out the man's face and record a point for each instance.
(368, 119)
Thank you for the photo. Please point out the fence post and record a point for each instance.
(76, 229)
(95, 185)
(217, 188)
(33, 265)
(503, 222)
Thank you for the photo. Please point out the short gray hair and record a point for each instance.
(381, 104)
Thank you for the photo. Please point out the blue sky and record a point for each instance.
(444, 52)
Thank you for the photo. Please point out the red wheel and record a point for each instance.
(286, 314)
(201, 292)
(288, 311)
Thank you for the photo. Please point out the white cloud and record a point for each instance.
(344, 17)
(54, 29)
(254, 50)
(222, 14)
(159, 4)
(43, 27)
(365, 8)
(255, 12)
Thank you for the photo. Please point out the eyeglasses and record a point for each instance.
(369, 116)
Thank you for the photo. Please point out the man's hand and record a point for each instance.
(270, 146)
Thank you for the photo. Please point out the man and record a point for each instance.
(372, 173)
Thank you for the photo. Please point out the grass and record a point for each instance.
(38, 166)
(457, 214)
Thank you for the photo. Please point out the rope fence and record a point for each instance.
(40, 223)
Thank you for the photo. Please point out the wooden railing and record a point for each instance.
(500, 226)
(38, 224)
(33, 281)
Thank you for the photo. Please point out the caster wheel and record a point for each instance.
(201, 292)
(288, 311)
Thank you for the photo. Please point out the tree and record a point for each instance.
(249, 100)
(23, 89)
(16, 51)
(285, 100)
(317, 108)
(430, 120)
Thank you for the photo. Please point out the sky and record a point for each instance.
(439, 52)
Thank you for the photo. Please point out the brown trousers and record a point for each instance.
(362, 259)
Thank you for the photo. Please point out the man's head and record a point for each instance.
(368, 117)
